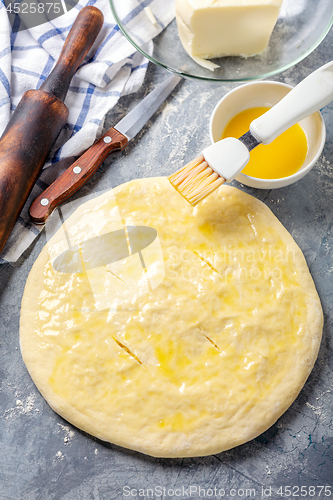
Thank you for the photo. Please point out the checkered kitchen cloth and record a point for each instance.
(113, 69)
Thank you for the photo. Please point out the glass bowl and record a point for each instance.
(300, 28)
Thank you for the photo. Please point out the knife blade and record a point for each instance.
(114, 139)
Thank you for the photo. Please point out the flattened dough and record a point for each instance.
(207, 358)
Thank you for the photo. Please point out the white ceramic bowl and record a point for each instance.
(267, 93)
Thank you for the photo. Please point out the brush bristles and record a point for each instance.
(196, 180)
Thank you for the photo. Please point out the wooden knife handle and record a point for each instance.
(76, 175)
(81, 37)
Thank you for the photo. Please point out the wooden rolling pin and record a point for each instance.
(38, 120)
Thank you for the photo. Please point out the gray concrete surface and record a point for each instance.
(42, 457)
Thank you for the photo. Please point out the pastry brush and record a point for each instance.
(224, 160)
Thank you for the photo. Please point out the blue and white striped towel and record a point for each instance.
(113, 69)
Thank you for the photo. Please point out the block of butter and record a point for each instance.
(217, 28)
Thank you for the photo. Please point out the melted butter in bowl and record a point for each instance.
(282, 158)
(290, 157)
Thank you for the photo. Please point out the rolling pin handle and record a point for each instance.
(78, 43)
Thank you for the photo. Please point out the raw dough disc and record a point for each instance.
(204, 358)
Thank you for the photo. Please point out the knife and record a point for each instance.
(115, 139)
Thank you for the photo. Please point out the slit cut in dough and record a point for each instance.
(194, 343)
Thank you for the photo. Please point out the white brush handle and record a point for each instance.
(312, 94)
(227, 157)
